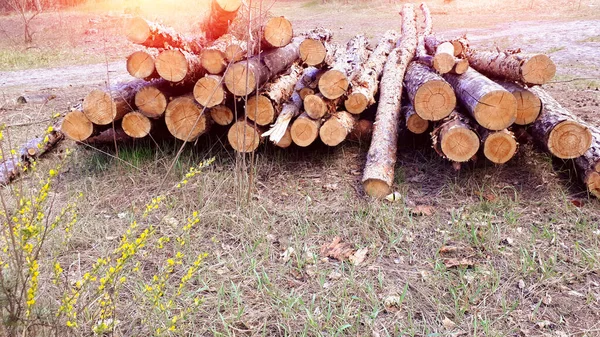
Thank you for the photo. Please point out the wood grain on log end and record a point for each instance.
(209, 91)
(171, 65)
(499, 147)
(221, 114)
(333, 84)
(278, 32)
(285, 141)
(315, 106)
(99, 107)
(140, 64)
(569, 139)
(444, 59)
(592, 182)
(136, 125)
(234, 53)
(213, 61)
(305, 130)
(151, 102)
(529, 107)
(185, 119)
(244, 137)
(460, 66)
(538, 69)
(235, 80)
(377, 188)
(304, 92)
(416, 124)
(337, 128)
(356, 103)
(77, 126)
(496, 110)
(260, 109)
(435, 100)
(312, 52)
(459, 144)
(137, 30)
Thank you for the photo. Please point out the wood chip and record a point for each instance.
(452, 263)
(423, 210)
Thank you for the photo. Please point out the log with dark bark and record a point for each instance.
(334, 83)
(185, 119)
(529, 69)
(277, 32)
(588, 165)
(221, 115)
(305, 130)
(431, 96)
(293, 106)
(378, 175)
(77, 126)
(443, 54)
(414, 122)
(264, 108)
(337, 128)
(365, 80)
(222, 14)
(140, 64)
(529, 105)
(209, 91)
(136, 125)
(104, 107)
(362, 132)
(244, 136)
(454, 139)
(176, 65)
(492, 106)
(498, 146)
(154, 35)
(557, 130)
(11, 168)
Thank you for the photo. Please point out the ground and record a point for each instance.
(527, 229)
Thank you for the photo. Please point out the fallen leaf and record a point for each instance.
(337, 249)
(334, 275)
(521, 284)
(453, 249)
(423, 210)
(577, 202)
(287, 255)
(451, 263)
(448, 324)
(359, 256)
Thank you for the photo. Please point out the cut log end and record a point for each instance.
(260, 109)
(539, 69)
(209, 91)
(235, 80)
(496, 110)
(151, 102)
(221, 114)
(593, 183)
(356, 103)
(77, 126)
(137, 30)
(136, 125)
(569, 139)
(529, 107)
(99, 107)
(304, 92)
(304, 130)
(333, 84)
(140, 64)
(243, 137)
(171, 65)
(315, 106)
(435, 100)
(499, 147)
(460, 144)
(337, 128)
(377, 188)
(278, 32)
(185, 119)
(234, 53)
(416, 124)
(461, 66)
(285, 141)
(213, 61)
(312, 52)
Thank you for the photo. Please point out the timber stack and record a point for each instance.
(301, 88)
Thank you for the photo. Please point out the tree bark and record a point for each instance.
(378, 175)
(185, 119)
(337, 128)
(365, 80)
(558, 131)
(334, 83)
(530, 69)
(179, 66)
(491, 105)
(103, 108)
(154, 35)
(209, 91)
(529, 105)
(362, 132)
(454, 139)
(431, 96)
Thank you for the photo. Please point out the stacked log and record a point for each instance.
(454, 138)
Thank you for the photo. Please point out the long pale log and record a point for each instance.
(175, 65)
(588, 165)
(454, 139)
(529, 105)
(492, 106)
(277, 32)
(378, 175)
(222, 14)
(557, 130)
(337, 128)
(102, 107)
(529, 69)
(305, 130)
(365, 80)
(244, 136)
(414, 122)
(498, 146)
(431, 96)
(77, 126)
(185, 119)
(154, 35)
(209, 91)
(293, 107)
(334, 83)
(140, 64)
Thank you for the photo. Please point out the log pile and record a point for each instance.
(301, 88)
